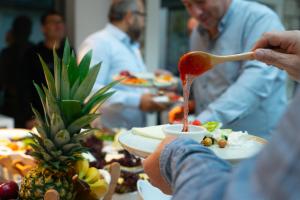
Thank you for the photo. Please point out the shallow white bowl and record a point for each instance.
(196, 133)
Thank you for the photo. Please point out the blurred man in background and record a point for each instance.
(117, 47)
(247, 96)
(53, 28)
(11, 67)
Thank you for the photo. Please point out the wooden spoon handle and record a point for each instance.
(114, 170)
(236, 57)
(51, 195)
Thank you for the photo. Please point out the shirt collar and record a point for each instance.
(224, 21)
(226, 18)
(119, 34)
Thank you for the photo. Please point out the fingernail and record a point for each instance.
(259, 53)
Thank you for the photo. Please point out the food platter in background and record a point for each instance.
(146, 80)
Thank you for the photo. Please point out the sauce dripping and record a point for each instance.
(190, 66)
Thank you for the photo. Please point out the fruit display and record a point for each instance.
(64, 123)
(130, 165)
(92, 179)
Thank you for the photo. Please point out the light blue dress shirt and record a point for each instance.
(114, 49)
(194, 172)
(247, 96)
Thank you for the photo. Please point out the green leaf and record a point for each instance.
(43, 101)
(49, 145)
(65, 84)
(76, 150)
(62, 137)
(74, 88)
(68, 147)
(48, 76)
(40, 123)
(87, 84)
(51, 103)
(57, 73)
(36, 155)
(97, 106)
(71, 110)
(56, 124)
(85, 65)
(84, 134)
(95, 102)
(80, 123)
(66, 54)
(73, 69)
(108, 87)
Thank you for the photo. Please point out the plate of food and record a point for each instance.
(14, 133)
(146, 80)
(229, 145)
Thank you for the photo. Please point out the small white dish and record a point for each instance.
(125, 196)
(196, 133)
(147, 191)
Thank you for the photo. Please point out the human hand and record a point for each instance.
(281, 49)
(152, 169)
(30, 124)
(148, 105)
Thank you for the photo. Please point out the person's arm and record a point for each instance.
(194, 172)
(256, 81)
(138, 100)
(190, 169)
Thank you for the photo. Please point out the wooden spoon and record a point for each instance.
(197, 62)
(216, 59)
(114, 170)
(51, 195)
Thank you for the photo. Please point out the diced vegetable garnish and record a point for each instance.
(196, 122)
(212, 126)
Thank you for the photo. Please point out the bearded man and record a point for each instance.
(117, 47)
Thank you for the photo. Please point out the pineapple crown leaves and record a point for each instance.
(67, 107)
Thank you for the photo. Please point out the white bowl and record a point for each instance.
(196, 133)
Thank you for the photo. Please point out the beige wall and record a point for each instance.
(86, 17)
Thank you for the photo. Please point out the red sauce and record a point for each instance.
(190, 66)
(193, 64)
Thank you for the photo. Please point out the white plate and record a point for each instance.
(13, 133)
(144, 75)
(143, 146)
(147, 191)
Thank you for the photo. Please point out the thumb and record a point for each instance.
(272, 57)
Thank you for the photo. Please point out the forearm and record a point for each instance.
(193, 170)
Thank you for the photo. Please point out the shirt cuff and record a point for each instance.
(175, 149)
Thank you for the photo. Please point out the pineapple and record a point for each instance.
(67, 111)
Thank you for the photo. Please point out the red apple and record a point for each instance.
(9, 190)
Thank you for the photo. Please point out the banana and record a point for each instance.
(92, 175)
(99, 188)
(99, 192)
(98, 183)
(82, 167)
